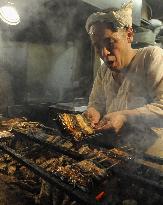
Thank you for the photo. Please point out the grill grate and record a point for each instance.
(29, 158)
(27, 145)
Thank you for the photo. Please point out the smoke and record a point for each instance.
(44, 16)
(49, 25)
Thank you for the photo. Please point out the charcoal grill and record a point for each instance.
(22, 156)
(123, 167)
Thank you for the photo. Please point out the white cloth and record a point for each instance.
(120, 17)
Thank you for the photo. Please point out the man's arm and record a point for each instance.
(96, 105)
(152, 113)
(97, 96)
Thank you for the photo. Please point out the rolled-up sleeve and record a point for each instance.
(97, 96)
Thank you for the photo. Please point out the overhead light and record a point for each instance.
(9, 15)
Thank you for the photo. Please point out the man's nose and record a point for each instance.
(105, 52)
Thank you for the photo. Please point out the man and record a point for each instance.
(129, 85)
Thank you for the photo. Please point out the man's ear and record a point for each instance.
(130, 34)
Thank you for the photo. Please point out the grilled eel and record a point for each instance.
(77, 125)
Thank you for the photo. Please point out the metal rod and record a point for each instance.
(52, 146)
(153, 159)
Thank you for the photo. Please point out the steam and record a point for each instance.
(41, 52)
(41, 57)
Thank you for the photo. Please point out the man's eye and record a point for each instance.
(109, 43)
(112, 42)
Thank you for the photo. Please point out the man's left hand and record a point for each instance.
(114, 120)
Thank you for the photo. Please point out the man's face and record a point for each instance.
(112, 47)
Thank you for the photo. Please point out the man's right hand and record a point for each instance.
(93, 115)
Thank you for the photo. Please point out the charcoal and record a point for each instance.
(67, 144)
(11, 169)
(74, 175)
(85, 149)
(5, 134)
(2, 166)
(92, 168)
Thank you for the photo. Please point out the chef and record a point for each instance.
(128, 87)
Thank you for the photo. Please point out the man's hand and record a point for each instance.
(114, 120)
(93, 115)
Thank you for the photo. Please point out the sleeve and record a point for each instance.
(152, 113)
(97, 96)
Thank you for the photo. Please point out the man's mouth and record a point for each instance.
(110, 61)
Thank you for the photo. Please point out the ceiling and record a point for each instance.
(48, 21)
(157, 8)
(57, 20)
